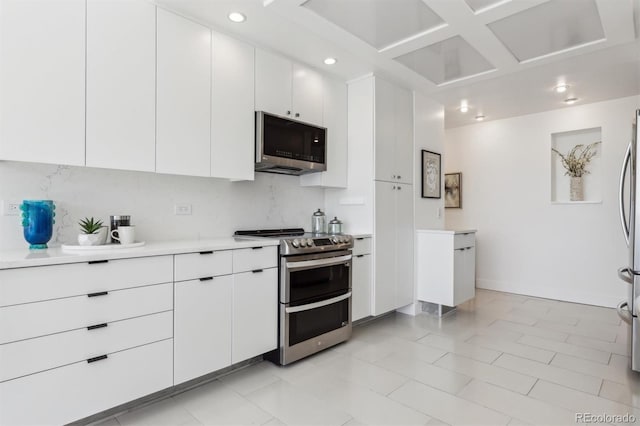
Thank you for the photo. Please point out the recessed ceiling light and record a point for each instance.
(464, 107)
(237, 17)
(479, 117)
(561, 88)
(570, 101)
(330, 61)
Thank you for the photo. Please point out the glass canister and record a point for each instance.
(318, 222)
(37, 221)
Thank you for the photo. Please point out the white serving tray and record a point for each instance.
(103, 247)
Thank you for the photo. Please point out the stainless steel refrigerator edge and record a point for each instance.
(629, 309)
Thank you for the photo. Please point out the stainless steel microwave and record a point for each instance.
(289, 147)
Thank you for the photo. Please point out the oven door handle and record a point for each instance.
(316, 305)
(305, 264)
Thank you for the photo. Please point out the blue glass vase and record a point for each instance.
(37, 221)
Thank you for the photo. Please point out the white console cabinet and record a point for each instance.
(446, 264)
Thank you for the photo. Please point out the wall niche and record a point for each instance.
(592, 181)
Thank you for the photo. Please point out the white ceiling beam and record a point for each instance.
(464, 22)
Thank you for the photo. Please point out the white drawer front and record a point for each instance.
(464, 240)
(24, 285)
(255, 258)
(43, 353)
(200, 265)
(53, 316)
(361, 246)
(69, 393)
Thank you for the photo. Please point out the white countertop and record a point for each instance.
(361, 235)
(447, 231)
(22, 258)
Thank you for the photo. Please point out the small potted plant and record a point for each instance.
(92, 232)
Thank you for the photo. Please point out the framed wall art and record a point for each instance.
(431, 174)
(453, 190)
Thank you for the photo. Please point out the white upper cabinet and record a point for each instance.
(384, 131)
(287, 89)
(273, 83)
(121, 84)
(404, 135)
(335, 120)
(307, 95)
(232, 109)
(42, 81)
(394, 133)
(183, 142)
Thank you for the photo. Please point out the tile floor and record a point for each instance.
(500, 359)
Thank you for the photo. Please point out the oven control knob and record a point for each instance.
(295, 243)
(309, 242)
(334, 239)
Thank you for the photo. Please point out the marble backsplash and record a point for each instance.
(219, 207)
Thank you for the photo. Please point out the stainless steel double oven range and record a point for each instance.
(314, 291)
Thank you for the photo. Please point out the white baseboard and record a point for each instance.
(567, 295)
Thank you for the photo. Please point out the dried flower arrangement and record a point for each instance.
(577, 160)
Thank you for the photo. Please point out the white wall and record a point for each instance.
(219, 207)
(428, 134)
(525, 244)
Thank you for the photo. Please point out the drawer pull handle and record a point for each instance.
(207, 252)
(96, 326)
(97, 358)
(100, 293)
(360, 238)
(95, 262)
(206, 279)
(255, 271)
(256, 248)
(360, 255)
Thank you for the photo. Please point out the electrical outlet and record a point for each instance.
(439, 213)
(10, 208)
(182, 209)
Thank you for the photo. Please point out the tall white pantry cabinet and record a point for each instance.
(379, 198)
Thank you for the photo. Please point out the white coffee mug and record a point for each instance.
(124, 234)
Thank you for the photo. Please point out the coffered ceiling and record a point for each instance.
(503, 57)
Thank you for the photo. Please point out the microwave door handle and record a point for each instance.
(306, 264)
(316, 305)
(623, 213)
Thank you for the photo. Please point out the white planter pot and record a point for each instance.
(89, 239)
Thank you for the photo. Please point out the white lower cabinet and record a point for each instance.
(202, 327)
(222, 320)
(361, 287)
(446, 265)
(255, 313)
(75, 391)
(393, 283)
(361, 278)
(101, 337)
(69, 354)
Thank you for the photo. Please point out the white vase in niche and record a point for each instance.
(576, 188)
